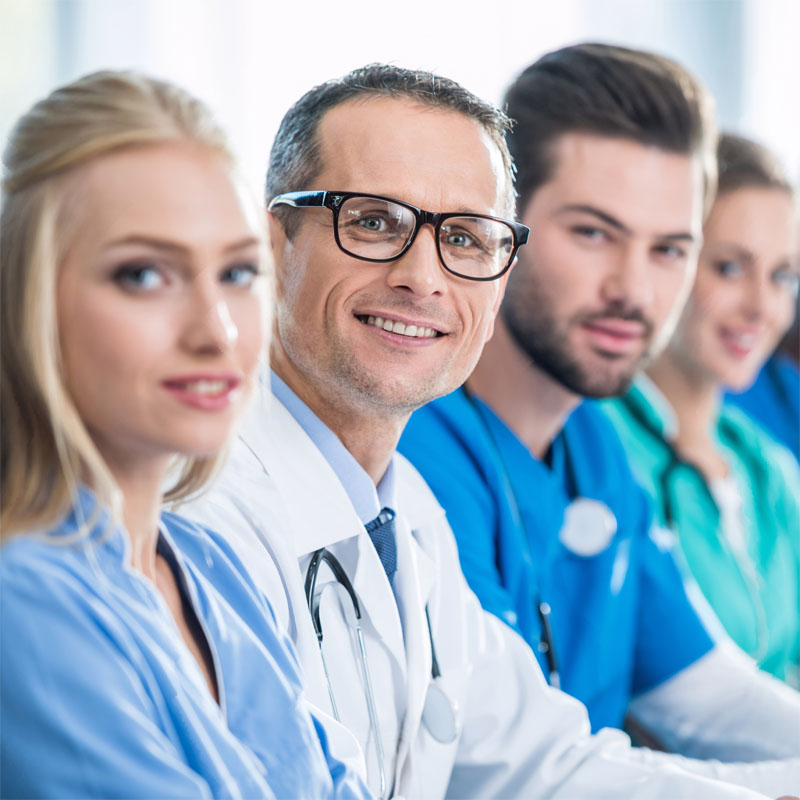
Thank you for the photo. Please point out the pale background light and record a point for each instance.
(250, 59)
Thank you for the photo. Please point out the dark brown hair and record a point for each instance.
(610, 91)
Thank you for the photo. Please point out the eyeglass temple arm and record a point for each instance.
(298, 199)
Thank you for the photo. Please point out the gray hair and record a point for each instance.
(295, 158)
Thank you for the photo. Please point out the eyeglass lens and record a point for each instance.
(379, 229)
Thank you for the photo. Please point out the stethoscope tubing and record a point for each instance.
(677, 461)
(319, 557)
(546, 645)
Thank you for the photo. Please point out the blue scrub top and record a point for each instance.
(102, 698)
(774, 401)
(621, 620)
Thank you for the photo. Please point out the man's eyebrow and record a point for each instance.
(170, 246)
(620, 226)
(595, 212)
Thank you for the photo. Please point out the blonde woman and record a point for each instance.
(729, 491)
(137, 659)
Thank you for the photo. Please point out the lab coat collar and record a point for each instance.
(321, 513)
(314, 497)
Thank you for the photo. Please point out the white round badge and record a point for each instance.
(589, 526)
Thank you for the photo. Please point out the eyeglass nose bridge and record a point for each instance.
(432, 218)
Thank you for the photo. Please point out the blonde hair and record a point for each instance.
(45, 449)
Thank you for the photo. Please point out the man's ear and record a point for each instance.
(501, 290)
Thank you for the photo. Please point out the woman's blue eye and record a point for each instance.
(241, 274)
(728, 269)
(787, 278)
(138, 277)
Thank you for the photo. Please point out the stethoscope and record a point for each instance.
(440, 713)
(581, 509)
(745, 566)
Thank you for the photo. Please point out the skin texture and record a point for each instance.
(364, 382)
(147, 292)
(743, 297)
(159, 282)
(741, 305)
(615, 235)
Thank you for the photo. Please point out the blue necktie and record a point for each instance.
(382, 532)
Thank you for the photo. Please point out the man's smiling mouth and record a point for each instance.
(400, 328)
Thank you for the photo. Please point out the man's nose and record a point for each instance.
(419, 269)
(628, 281)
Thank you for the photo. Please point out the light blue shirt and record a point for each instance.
(102, 698)
(365, 497)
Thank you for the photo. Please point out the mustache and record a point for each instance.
(620, 311)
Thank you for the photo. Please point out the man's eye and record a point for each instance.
(673, 252)
(373, 224)
(460, 239)
(241, 274)
(590, 233)
(138, 277)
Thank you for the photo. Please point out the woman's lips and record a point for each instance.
(207, 392)
(739, 342)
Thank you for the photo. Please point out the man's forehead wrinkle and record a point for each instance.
(369, 157)
(611, 175)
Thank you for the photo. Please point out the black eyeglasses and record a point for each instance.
(374, 228)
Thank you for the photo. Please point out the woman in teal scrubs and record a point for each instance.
(728, 490)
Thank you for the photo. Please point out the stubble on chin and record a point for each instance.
(546, 342)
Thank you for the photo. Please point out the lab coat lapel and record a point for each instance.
(322, 515)
(413, 585)
(318, 505)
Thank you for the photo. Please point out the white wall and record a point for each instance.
(250, 59)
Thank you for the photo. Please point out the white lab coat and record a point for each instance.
(519, 737)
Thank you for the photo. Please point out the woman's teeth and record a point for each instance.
(206, 387)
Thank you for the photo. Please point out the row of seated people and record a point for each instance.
(302, 627)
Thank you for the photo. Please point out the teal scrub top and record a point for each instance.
(760, 612)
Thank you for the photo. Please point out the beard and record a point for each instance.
(545, 340)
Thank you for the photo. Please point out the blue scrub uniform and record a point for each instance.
(621, 621)
(102, 698)
(774, 401)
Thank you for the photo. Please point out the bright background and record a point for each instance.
(251, 59)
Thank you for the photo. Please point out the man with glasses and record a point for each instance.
(553, 533)
(390, 194)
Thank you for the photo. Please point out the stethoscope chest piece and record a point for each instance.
(589, 526)
(440, 714)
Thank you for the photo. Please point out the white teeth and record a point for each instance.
(744, 340)
(392, 326)
(206, 387)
